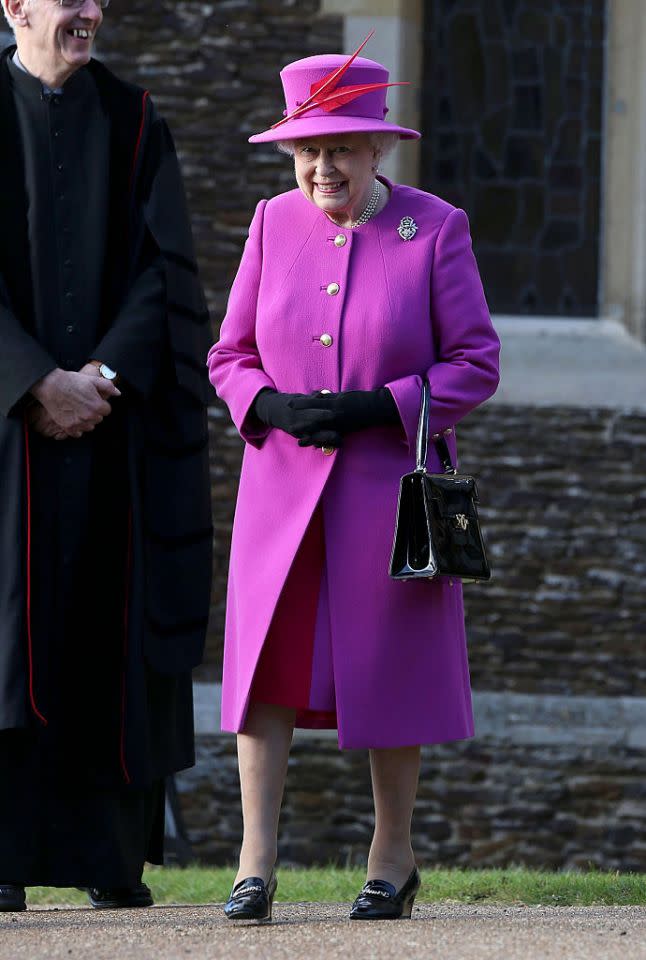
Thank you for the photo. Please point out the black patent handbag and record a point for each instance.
(437, 531)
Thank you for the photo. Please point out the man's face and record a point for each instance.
(57, 40)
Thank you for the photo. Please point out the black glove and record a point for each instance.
(347, 412)
(292, 412)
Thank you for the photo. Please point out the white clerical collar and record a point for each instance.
(46, 90)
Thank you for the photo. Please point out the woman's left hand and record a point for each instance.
(351, 410)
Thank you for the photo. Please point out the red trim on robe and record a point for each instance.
(30, 652)
(126, 611)
(135, 158)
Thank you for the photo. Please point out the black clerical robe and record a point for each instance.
(105, 541)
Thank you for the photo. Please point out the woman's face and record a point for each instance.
(337, 173)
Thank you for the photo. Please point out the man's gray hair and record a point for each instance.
(384, 143)
(10, 21)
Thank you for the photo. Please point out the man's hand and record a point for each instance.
(76, 402)
(91, 370)
(40, 421)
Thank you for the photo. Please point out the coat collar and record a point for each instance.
(30, 86)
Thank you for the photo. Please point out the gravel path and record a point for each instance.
(323, 932)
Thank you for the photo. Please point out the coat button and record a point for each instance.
(327, 451)
(448, 432)
(326, 339)
(333, 289)
(340, 240)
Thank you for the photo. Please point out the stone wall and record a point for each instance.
(563, 494)
(550, 781)
(564, 509)
(484, 802)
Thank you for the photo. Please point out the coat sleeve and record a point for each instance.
(180, 329)
(137, 339)
(235, 367)
(23, 361)
(466, 372)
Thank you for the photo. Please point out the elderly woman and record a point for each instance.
(351, 289)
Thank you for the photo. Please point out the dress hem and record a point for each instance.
(344, 745)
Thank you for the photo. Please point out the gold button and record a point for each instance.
(328, 451)
(333, 289)
(340, 240)
(448, 432)
(326, 339)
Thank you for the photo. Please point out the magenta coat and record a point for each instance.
(393, 310)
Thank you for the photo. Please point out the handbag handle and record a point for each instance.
(421, 450)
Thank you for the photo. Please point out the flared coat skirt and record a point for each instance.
(340, 642)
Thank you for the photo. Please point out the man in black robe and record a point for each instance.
(105, 520)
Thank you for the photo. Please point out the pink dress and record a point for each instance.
(285, 673)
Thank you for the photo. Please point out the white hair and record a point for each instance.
(10, 20)
(382, 143)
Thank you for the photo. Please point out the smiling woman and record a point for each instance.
(338, 311)
(337, 173)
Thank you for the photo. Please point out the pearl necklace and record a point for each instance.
(371, 206)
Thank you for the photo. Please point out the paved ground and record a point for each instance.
(322, 932)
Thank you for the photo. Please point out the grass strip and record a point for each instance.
(196, 885)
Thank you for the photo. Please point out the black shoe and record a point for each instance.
(12, 898)
(118, 897)
(251, 900)
(379, 900)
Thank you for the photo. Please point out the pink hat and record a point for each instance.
(318, 104)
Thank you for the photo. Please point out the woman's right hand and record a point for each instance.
(305, 423)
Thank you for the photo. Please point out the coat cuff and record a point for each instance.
(250, 428)
(407, 394)
(137, 375)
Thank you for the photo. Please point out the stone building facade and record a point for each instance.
(560, 454)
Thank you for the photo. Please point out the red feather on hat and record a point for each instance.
(342, 96)
(348, 94)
